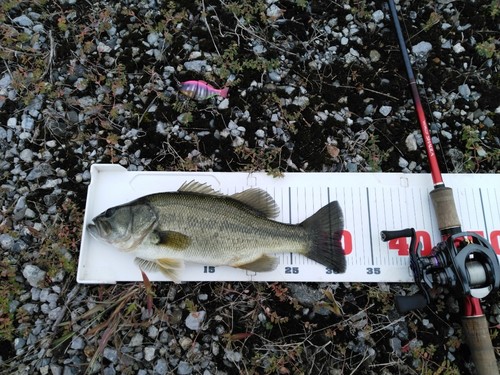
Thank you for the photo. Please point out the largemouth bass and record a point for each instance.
(198, 224)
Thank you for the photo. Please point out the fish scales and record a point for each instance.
(222, 229)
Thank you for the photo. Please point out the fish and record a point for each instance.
(200, 225)
(200, 90)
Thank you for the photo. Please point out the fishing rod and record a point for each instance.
(464, 261)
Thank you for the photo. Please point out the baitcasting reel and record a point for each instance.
(465, 262)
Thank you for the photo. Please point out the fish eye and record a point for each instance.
(109, 212)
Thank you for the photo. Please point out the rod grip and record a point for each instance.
(478, 339)
(445, 209)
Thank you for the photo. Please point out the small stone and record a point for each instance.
(103, 48)
(27, 123)
(152, 332)
(224, 104)
(422, 48)
(458, 48)
(374, 56)
(184, 368)
(378, 16)
(20, 209)
(411, 142)
(153, 38)
(6, 241)
(344, 41)
(385, 110)
(464, 91)
(403, 163)
(149, 353)
(161, 367)
(260, 133)
(41, 170)
(136, 340)
(196, 65)
(274, 76)
(26, 155)
(110, 354)
(233, 356)
(195, 319)
(77, 343)
(23, 21)
(33, 275)
(185, 343)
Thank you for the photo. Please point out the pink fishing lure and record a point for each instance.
(200, 90)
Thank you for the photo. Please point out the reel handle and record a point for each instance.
(387, 235)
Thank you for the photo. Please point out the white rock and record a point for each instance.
(458, 48)
(378, 16)
(385, 110)
(195, 319)
(153, 38)
(224, 104)
(149, 353)
(422, 48)
(411, 142)
(34, 275)
(12, 122)
(464, 90)
(103, 48)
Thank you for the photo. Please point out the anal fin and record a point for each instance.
(264, 263)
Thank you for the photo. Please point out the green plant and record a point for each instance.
(9, 290)
(476, 152)
(487, 48)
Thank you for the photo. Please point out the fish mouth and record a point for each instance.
(94, 231)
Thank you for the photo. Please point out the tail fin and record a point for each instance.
(223, 92)
(325, 229)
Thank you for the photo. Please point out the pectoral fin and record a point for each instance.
(169, 267)
(170, 239)
(265, 263)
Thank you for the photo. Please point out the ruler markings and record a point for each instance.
(486, 231)
(369, 222)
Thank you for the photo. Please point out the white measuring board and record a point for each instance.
(371, 202)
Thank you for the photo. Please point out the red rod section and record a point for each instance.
(437, 179)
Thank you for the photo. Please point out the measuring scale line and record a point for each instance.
(370, 224)
(486, 231)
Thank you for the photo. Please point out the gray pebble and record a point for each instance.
(161, 367)
(110, 354)
(374, 55)
(273, 76)
(54, 314)
(464, 90)
(34, 275)
(196, 65)
(152, 332)
(352, 167)
(77, 343)
(184, 368)
(27, 123)
(422, 48)
(136, 340)
(19, 343)
(19, 209)
(41, 170)
(6, 241)
(403, 163)
(26, 155)
(23, 20)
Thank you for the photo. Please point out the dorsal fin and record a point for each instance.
(260, 201)
(199, 188)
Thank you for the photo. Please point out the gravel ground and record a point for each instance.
(313, 86)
